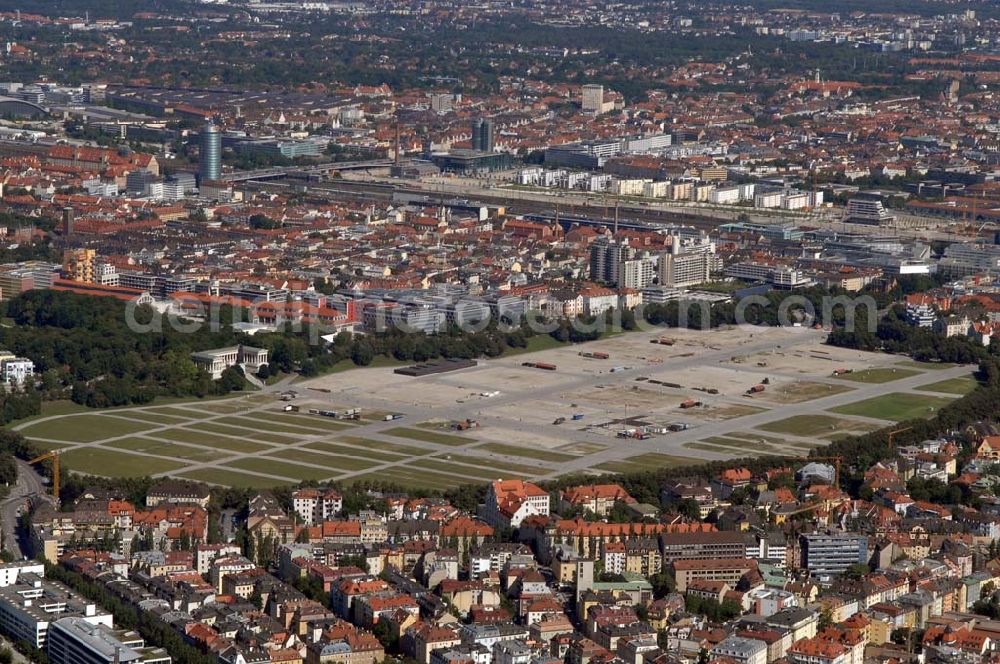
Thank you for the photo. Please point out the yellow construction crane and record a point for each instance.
(892, 434)
(54, 456)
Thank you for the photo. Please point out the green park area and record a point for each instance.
(896, 407)
(879, 375)
(815, 425)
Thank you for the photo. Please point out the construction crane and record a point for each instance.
(892, 435)
(54, 456)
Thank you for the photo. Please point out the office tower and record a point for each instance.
(210, 159)
(483, 135)
(593, 98)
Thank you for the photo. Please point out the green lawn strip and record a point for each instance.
(273, 425)
(774, 445)
(895, 407)
(806, 391)
(837, 436)
(309, 421)
(756, 437)
(422, 480)
(50, 408)
(63, 407)
(336, 463)
(741, 445)
(645, 462)
(535, 343)
(727, 411)
(709, 447)
(378, 362)
(210, 440)
(799, 444)
(411, 479)
(197, 401)
(358, 442)
(276, 438)
(114, 463)
(432, 425)
(84, 428)
(428, 436)
(879, 375)
(725, 449)
(355, 452)
(960, 386)
(933, 366)
(47, 445)
(152, 418)
(218, 409)
(620, 467)
(292, 471)
(182, 413)
(66, 407)
(488, 463)
(224, 429)
(527, 452)
(457, 470)
(581, 448)
(651, 459)
(808, 426)
(231, 478)
(160, 448)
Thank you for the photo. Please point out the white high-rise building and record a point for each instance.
(636, 273)
(15, 371)
(687, 264)
(593, 98)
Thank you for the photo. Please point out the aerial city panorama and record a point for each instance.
(499, 332)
